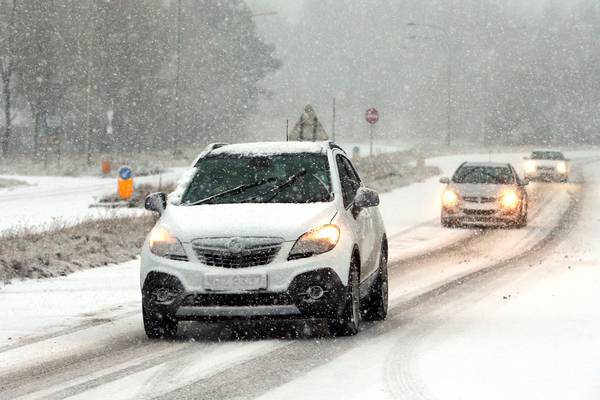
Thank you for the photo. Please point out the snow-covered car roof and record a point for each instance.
(485, 164)
(271, 148)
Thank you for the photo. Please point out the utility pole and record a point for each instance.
(88, 111)
(7, 68)
(176, 137)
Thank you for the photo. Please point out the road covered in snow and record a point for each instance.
(474, 314)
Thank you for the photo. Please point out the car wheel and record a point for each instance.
(449, 223)
(347, 322)
(375, 307)
(522, 221)
(158, 326)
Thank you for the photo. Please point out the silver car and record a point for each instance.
(484, 194)
(547, 165)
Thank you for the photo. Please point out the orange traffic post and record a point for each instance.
(125, 183)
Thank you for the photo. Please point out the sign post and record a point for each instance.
(371, 116)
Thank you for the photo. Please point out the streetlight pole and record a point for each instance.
(448, 76)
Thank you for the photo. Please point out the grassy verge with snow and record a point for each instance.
(63, 250)
(11, 183)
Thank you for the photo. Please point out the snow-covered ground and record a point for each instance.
(61, 200)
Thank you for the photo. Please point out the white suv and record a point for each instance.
(264, 230)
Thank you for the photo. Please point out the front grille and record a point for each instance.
(243, 252)
(478, 199)
(479, 212)
(237, 300)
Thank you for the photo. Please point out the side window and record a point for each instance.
(349, 181)
(352, 170)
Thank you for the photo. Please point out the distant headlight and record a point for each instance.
(316, 241)
(530, 167)
(561, 167)
(163, 244)
(449, 198)
(509, 200)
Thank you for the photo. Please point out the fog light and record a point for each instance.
(163, 295)
(315, 292)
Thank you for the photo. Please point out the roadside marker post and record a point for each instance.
(125, 183)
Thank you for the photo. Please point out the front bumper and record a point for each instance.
(190, 296)
(546, 174)
(165, 294)
(492, 215)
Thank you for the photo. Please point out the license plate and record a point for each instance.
(480, 206)
(227, 283)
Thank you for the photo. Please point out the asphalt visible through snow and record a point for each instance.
(111, 357)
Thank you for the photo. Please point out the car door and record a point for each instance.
(359, 219)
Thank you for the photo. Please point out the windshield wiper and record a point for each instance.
(235, 190)
(279, 188)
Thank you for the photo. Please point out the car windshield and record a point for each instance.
(484, 175)
(547, 155)
(285, 178)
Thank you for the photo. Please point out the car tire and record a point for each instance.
(449, 223)
(158, 326)
(522, 221)
(375, 307)
(348, 320)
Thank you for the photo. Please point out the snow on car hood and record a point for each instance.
(287, 221)
(480, 190)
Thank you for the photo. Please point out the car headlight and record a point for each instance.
(163, 244)
(316, 241)
(509, 200)
(561, 167)
(530, 167)
(449, 198)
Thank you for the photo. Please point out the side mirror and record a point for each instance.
(445, 180)
(366, 198)
(156, 202)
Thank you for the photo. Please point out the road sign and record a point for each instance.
(372, 116)
(53, 121)
(125, 173)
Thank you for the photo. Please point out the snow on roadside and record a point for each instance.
(62, 200)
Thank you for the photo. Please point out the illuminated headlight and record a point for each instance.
(316, 241)
(561, 167)
(163, 244)
(530, 167)
(509, 200)
(449, 198)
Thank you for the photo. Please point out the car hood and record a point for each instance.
(481, 190)
(547, 163)
(287, 221)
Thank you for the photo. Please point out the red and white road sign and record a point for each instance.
(372, 116)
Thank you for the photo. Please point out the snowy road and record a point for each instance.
(466, 312)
